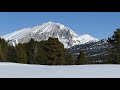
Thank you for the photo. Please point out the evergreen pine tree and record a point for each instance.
(21, 54)
(3, 49)
(11, 54)
(115, 50)
(82, 58)
(69, 58)
(32, 51)
(55, 52)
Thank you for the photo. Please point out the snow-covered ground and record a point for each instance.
(13, 70)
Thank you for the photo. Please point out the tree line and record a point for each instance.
(52, 52)
(49, 52)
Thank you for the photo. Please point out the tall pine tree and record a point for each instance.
(69, 58)
(21, 54)
(115, 50)
(11, 54)
(55, 52)
(32, 51)
(3, 49)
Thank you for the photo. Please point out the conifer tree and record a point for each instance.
(115, 50)
(31, 51)
(82, 58)
(11, 54)
(69, 58)
(3, 49)
(55, 52)
(21, 54)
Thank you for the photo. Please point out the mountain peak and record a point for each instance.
(50, 29)
(49, 22)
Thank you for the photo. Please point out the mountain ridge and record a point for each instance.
(50, 29)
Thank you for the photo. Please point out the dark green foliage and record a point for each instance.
(82, 58)
(31, 51)
(49, 52)
(3, 49)
(69, 58)
(41, 57)
(115, 50)
(21, 54)
(55, 52)
(11, 54)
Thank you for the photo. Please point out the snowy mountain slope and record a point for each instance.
(14, 70)
(50, 29)
(95, 51)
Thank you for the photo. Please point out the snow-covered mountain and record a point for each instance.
(95, 51)
(50, 29)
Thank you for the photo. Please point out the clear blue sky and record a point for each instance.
(98, 24)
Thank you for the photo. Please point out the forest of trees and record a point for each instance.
(49, 52)
(52, 52)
